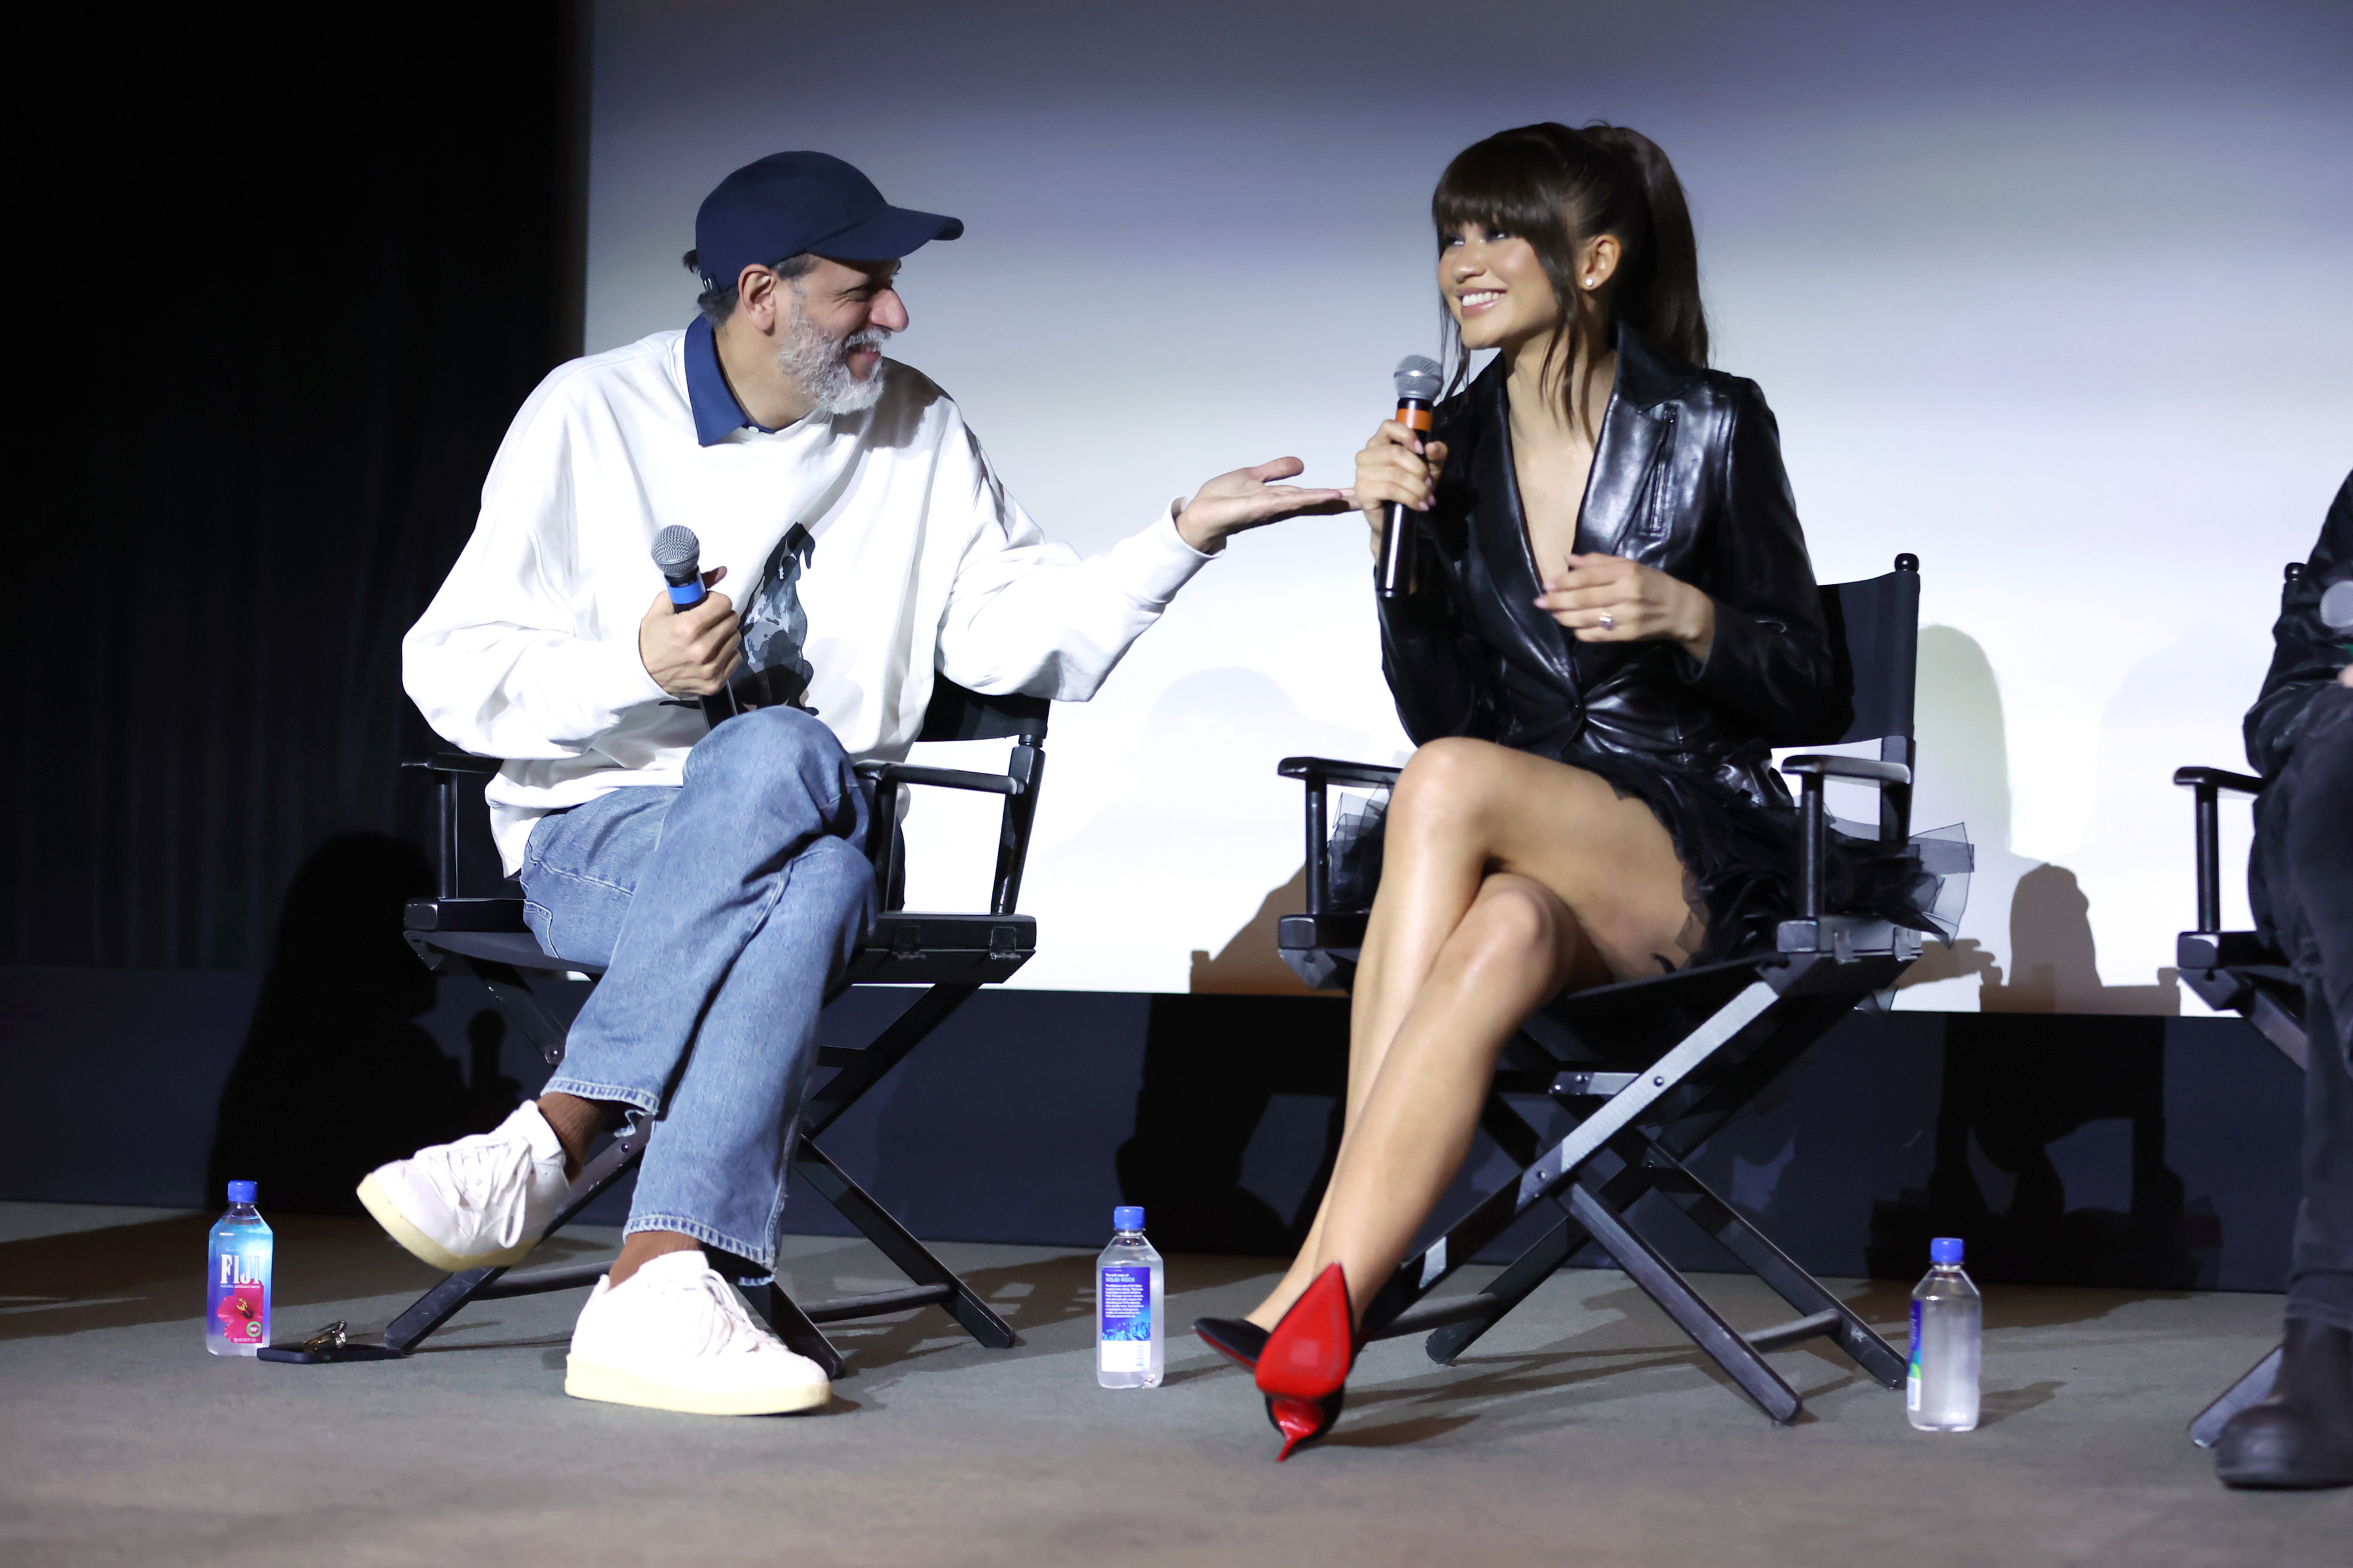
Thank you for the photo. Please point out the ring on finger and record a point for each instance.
(1608, 622)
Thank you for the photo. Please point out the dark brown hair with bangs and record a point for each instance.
(1557, 188)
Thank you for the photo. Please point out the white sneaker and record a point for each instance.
(675, 1336)
(479, 1202)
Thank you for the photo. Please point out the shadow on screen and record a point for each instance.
(336, 1077)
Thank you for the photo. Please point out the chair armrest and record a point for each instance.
(2209, 785)
(1323, 770)
(1858, 769)
(1319, 773)
(942, 778)
(2217, 778)
(456, 763)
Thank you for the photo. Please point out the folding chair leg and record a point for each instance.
(512, 996)
(440, 1303)
(2250, 1389)
(912, 1256)
(793, 1326)
(842, 1091)
(1556, 1166)
(1695, 1199)
(1508, 1289)
(1660, 1281)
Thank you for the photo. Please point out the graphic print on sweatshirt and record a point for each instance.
(776, 628)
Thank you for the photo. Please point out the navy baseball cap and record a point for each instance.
(788, 203)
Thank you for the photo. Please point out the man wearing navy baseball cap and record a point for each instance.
(719, 874)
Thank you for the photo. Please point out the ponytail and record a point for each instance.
(1660, 294)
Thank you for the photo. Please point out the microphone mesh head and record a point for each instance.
(1418, 377)
(2337, 606)
(676, 549)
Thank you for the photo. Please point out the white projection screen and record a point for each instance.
(2058, 298)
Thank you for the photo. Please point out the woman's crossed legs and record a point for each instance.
(1505, 879)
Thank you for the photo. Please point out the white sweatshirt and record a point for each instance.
(914, 559)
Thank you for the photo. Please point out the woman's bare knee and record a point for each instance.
(1444, 785)
(1515, 925)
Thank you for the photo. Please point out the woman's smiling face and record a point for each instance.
(1495, 287)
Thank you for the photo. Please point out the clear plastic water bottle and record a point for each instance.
(1129, 1287)
(1947, 1327)
(236, 1277)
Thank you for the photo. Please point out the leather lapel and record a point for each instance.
(1632, 429)
(1503, 536)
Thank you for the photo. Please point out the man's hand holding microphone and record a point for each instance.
(690, 639)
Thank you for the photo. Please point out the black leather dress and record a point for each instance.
(1687, 478)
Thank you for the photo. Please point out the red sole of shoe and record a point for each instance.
(1308, 1355)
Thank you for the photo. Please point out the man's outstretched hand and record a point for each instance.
(690, 653)
(1244, 498)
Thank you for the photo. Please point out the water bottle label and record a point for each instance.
(1911, 1376)
(238, 1295)
(1124, 1305)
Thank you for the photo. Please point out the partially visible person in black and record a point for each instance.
(1613, 618)
(2300, 738)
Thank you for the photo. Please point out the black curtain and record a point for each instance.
(285, 296)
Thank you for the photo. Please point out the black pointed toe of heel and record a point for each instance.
(1237, 1340)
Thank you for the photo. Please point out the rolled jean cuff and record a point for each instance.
(763, 1254)
(646, 1100)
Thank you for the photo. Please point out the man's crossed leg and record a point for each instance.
(722, 909)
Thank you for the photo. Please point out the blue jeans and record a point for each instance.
(722, 909)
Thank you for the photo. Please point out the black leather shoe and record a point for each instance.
(1237, 1340)
(2302, 1437)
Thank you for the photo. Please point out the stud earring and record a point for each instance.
(1588, 283)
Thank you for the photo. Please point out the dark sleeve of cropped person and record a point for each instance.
(2306, 654)
(1770, 665)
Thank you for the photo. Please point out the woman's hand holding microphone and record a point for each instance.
(1397, 464)
(1599, 598)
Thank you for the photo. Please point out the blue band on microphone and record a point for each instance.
(686, 595)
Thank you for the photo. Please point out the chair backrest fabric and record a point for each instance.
(1875, 638)
(958, 714)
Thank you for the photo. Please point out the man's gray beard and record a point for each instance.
(819, 367)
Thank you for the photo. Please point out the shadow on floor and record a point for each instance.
(154, 1272)
(1030, 1297)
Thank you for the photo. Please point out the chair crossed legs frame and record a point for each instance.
(2235, 971)
(1646, 1069)
(952, 955)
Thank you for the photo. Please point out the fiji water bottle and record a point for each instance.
(1948, 1316)
(236, 1277)
(1128, 1289)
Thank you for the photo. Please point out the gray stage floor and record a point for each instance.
(1584, 1431)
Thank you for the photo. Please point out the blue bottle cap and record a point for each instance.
(1944, 1250)
(1127, 1217)
(242, 1191)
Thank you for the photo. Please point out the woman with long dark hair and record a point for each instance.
(1612, 620)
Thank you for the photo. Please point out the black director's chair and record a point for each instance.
(485, 939)
(1648, 1069)
(2236, 971)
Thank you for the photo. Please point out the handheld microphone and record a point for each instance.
(2337, 606)
(679, 554)
(1417, 382)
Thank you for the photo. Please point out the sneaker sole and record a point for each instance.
(379, 1205)
(587, 1380)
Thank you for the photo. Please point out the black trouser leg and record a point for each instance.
(2320, 1273)
(2306, 850)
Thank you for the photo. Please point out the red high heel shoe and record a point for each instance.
(1304, 1367)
